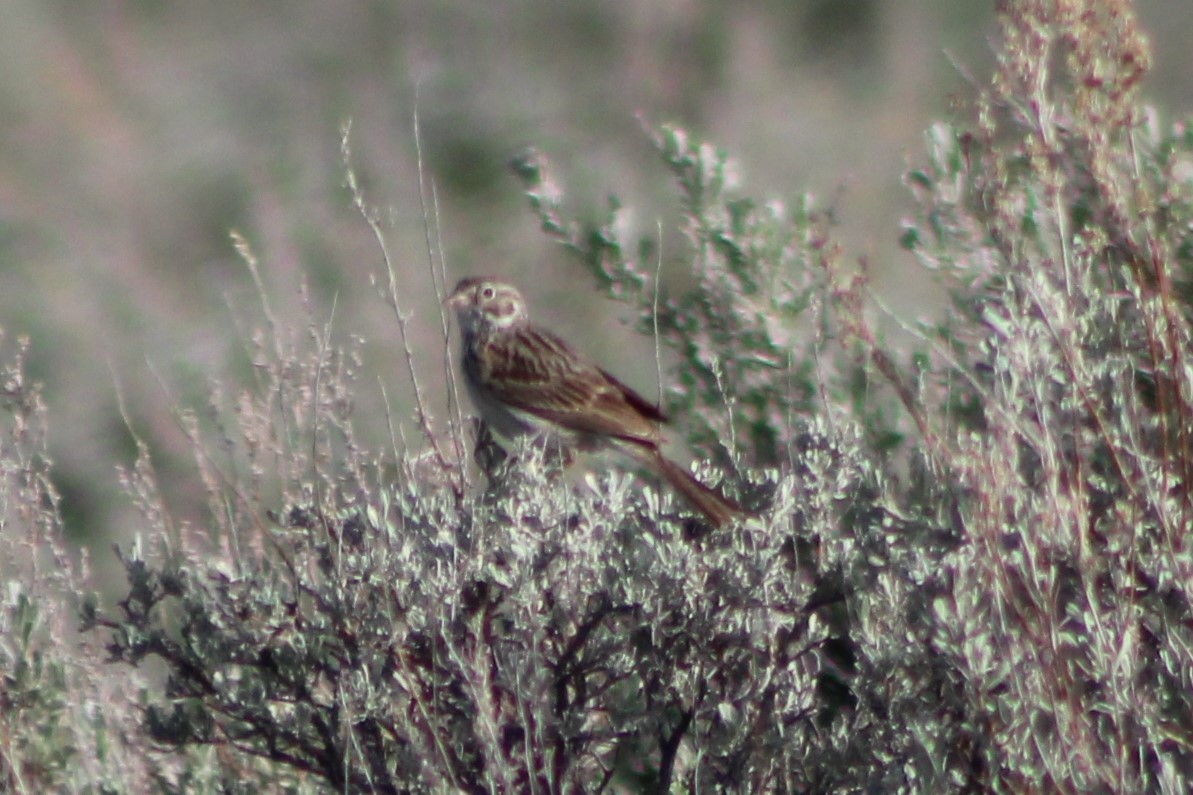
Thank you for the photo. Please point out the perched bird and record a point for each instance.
(525, 380)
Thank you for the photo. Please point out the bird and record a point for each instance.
(526, 381)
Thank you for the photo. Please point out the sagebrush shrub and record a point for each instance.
(968, 568)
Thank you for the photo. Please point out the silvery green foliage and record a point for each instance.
(54, 734)
(1063, 236)
(746, 331)
(972, 579)
(391, 628)
(537, 635)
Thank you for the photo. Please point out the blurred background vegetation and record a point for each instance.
(134, 136)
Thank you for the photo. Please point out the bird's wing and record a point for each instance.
(539, 373)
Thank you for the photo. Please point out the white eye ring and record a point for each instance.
(487, 293)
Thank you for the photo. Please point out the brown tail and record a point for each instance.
(718, 510)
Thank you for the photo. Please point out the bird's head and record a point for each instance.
(483, 303)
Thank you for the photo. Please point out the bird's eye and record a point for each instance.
(487, 293)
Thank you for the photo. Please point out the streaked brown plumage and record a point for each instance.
(526, 380)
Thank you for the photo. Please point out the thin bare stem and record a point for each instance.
(423, 415)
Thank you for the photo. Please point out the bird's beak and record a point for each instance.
(455, 300)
